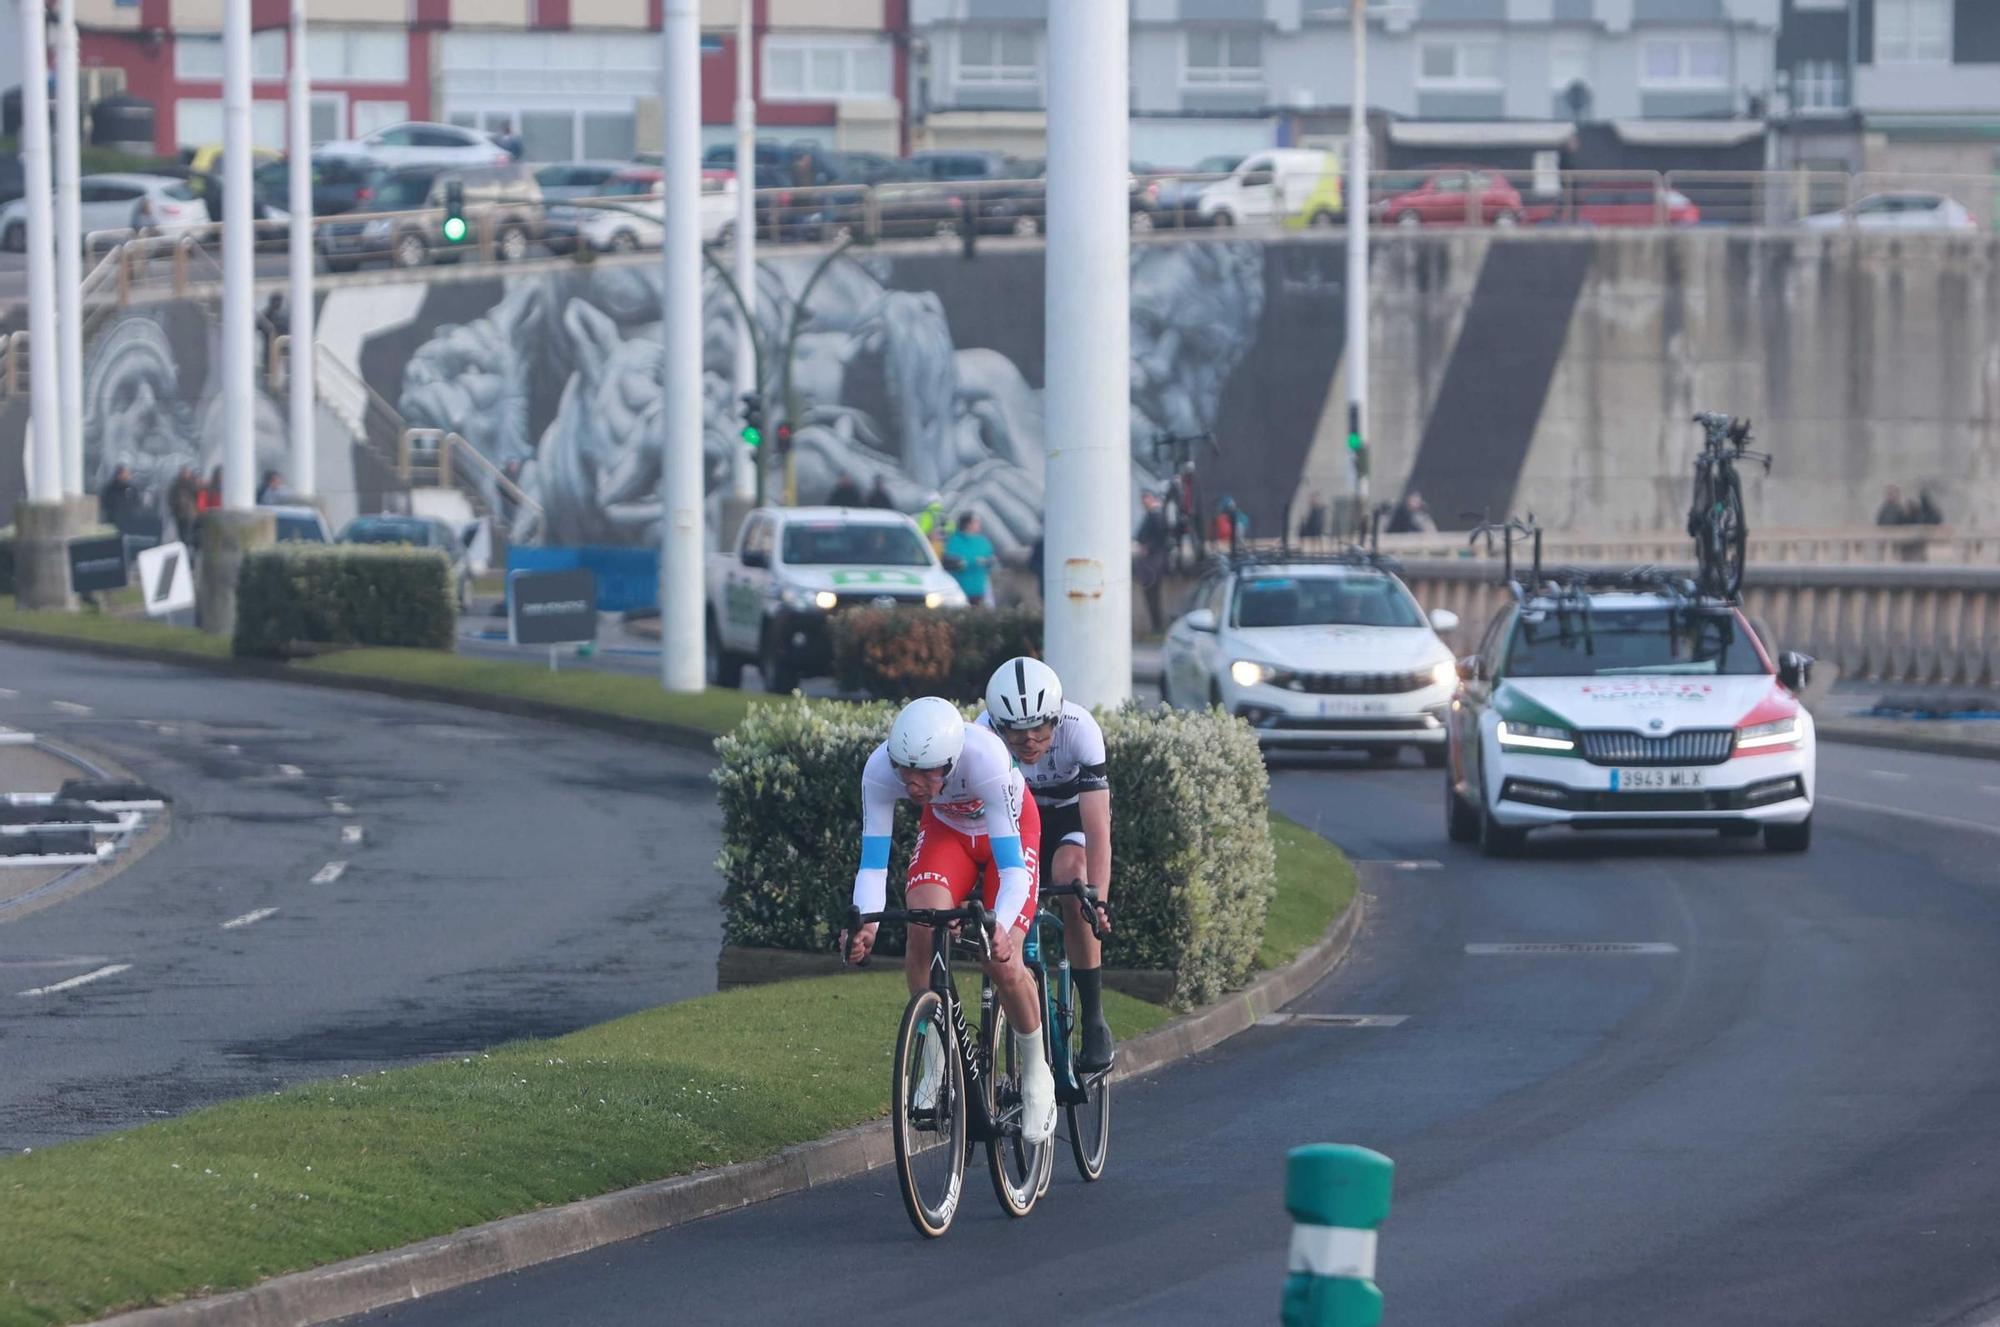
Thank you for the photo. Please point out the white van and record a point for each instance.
(1298, 186)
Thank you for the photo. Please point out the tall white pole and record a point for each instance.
(299, 368)
(239, 342)
(1087, 514)
(681, 541)
(44, 404)
(69, 251)
(1357, 260)
(744, 478)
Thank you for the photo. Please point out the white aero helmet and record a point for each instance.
(1024, 693)
(928, 734)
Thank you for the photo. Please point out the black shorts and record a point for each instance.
(1060, 825)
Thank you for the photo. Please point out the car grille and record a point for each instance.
(846, 599)
(1358, 684)
(1697, 746)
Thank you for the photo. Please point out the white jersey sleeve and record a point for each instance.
(879, 790)
(990, 777)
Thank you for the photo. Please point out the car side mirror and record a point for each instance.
(1794, 670)
(1201, 619)
(755, 557)
(1443, 621)
(1468, 668)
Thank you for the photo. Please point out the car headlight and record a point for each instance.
(1444, 673)
(1536, 736)
(1248, 673)
(933, 600)
(800, 601)
(1778, 732)
(826, 601)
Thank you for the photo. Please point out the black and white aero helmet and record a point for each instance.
(1024, 693)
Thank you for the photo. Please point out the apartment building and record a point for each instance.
(575, 78)
(1210, 76)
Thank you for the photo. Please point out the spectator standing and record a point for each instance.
(1927, 509)
(210, 497)
(1413, 516)
(1149, 561)
(1893, 511)
(118, 500)
(846, 493)
(878, 496)
(272, 490)
(1313, 525)
(931, 520)
(1231, 526)
(970, 558)
(184, 503)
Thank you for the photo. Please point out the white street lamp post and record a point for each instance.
(681, 536)
(69, 252)
(299, 364)
(744, 474)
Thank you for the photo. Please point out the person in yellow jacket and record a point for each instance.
(932, 522)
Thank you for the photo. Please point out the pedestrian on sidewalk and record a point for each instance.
(969, 557)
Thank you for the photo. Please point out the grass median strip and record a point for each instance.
(1315, 881)
(105, 627)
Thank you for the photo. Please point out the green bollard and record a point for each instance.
(1337, 1195)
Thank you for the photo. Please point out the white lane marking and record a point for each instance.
(1332, 1020)
(339, 807)
(232, 748)
(1892, 775)
(329, 873)
(8, 693)
(69, 707)
(110, 970)
(1921, 817)
(291, 771)
(1575, 947)
(249, 918)
(350, 833)
(1994, 790)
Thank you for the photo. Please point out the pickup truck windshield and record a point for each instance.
(833, 544)
(1626, 641)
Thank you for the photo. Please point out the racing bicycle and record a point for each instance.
(1715, 520)
(1084, 1096)
(949, 1090)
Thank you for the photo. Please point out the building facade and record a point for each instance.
(575, 78)
(1216, 76)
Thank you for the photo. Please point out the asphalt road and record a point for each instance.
(351, 881)
(1787, 1119)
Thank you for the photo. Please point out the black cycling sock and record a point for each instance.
(1089, 992)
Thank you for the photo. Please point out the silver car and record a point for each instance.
(419, 143)
(1903, 210)
(159, 203)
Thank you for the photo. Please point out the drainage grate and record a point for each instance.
(1574, 947)
(1332, 1020)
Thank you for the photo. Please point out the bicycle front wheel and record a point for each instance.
(1732, 534)
(927, 1115)
(1015, 1163)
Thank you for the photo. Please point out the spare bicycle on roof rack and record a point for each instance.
(1715, 519)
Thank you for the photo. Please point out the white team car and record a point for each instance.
(1628, 709)
(1315, 652)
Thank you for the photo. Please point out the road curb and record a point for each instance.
(1863, 733)
(398, 1276)
(520, 707)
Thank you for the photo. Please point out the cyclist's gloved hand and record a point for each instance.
(855, 948)
(1000, 945)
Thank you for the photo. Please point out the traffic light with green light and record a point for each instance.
(1357, 449)
(753, 419)
(455, 228)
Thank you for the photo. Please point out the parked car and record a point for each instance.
(116, 202)
(783, 159)
(1454, 196)
(1322, 652)
(417, 143)
(417, 532)
(1615, 205)
(1174, 198)
(1904, 210)
(339, 184)
(403, 219)
(1299, 186)
(577, 179)
(300, 525)
(907, 203)
(630, 216)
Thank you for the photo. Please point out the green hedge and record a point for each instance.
(1192, 853)
(7, 560)
(900, 653)
(298, 598)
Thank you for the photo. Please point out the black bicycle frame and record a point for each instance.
(1070, 1091)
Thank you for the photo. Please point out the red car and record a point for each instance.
(1454, 196)
(1617, 205)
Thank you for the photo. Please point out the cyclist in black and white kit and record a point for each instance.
(1060, 750)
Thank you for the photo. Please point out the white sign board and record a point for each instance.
(166, 579)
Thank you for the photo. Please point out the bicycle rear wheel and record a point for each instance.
(927, 1115)
(1732, 534)
(1090, 1123)
(1015, 1163)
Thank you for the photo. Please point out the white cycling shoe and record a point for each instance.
(932, 1075)
(1038, 1089)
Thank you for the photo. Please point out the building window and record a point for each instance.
(1224, 57)
(1912, 31)
(199, 123)
(372, 115)
(198, 56)
(1569, 63)
(1459, 64)
(329, 117)
(1818, 86)
(825, 68)
(358, 55)
(1686, 62)
(998, 55)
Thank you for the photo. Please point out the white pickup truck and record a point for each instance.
(793, 568)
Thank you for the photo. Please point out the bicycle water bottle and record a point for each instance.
(1337, 1195)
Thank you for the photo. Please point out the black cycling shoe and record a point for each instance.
(1097, 1053)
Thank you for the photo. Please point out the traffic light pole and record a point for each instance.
(1357, 262)
(1087, 517)
(682, 537)
(300, 364)
(69, 251)
(749, 377)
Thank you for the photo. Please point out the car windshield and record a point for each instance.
(1218, 165)
(1630, 641)
(622, 185)
(387, 532)
(1315, 601)
(300, 530)
(811, 545)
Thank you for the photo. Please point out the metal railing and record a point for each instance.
(440, 458)
(1863, 545)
